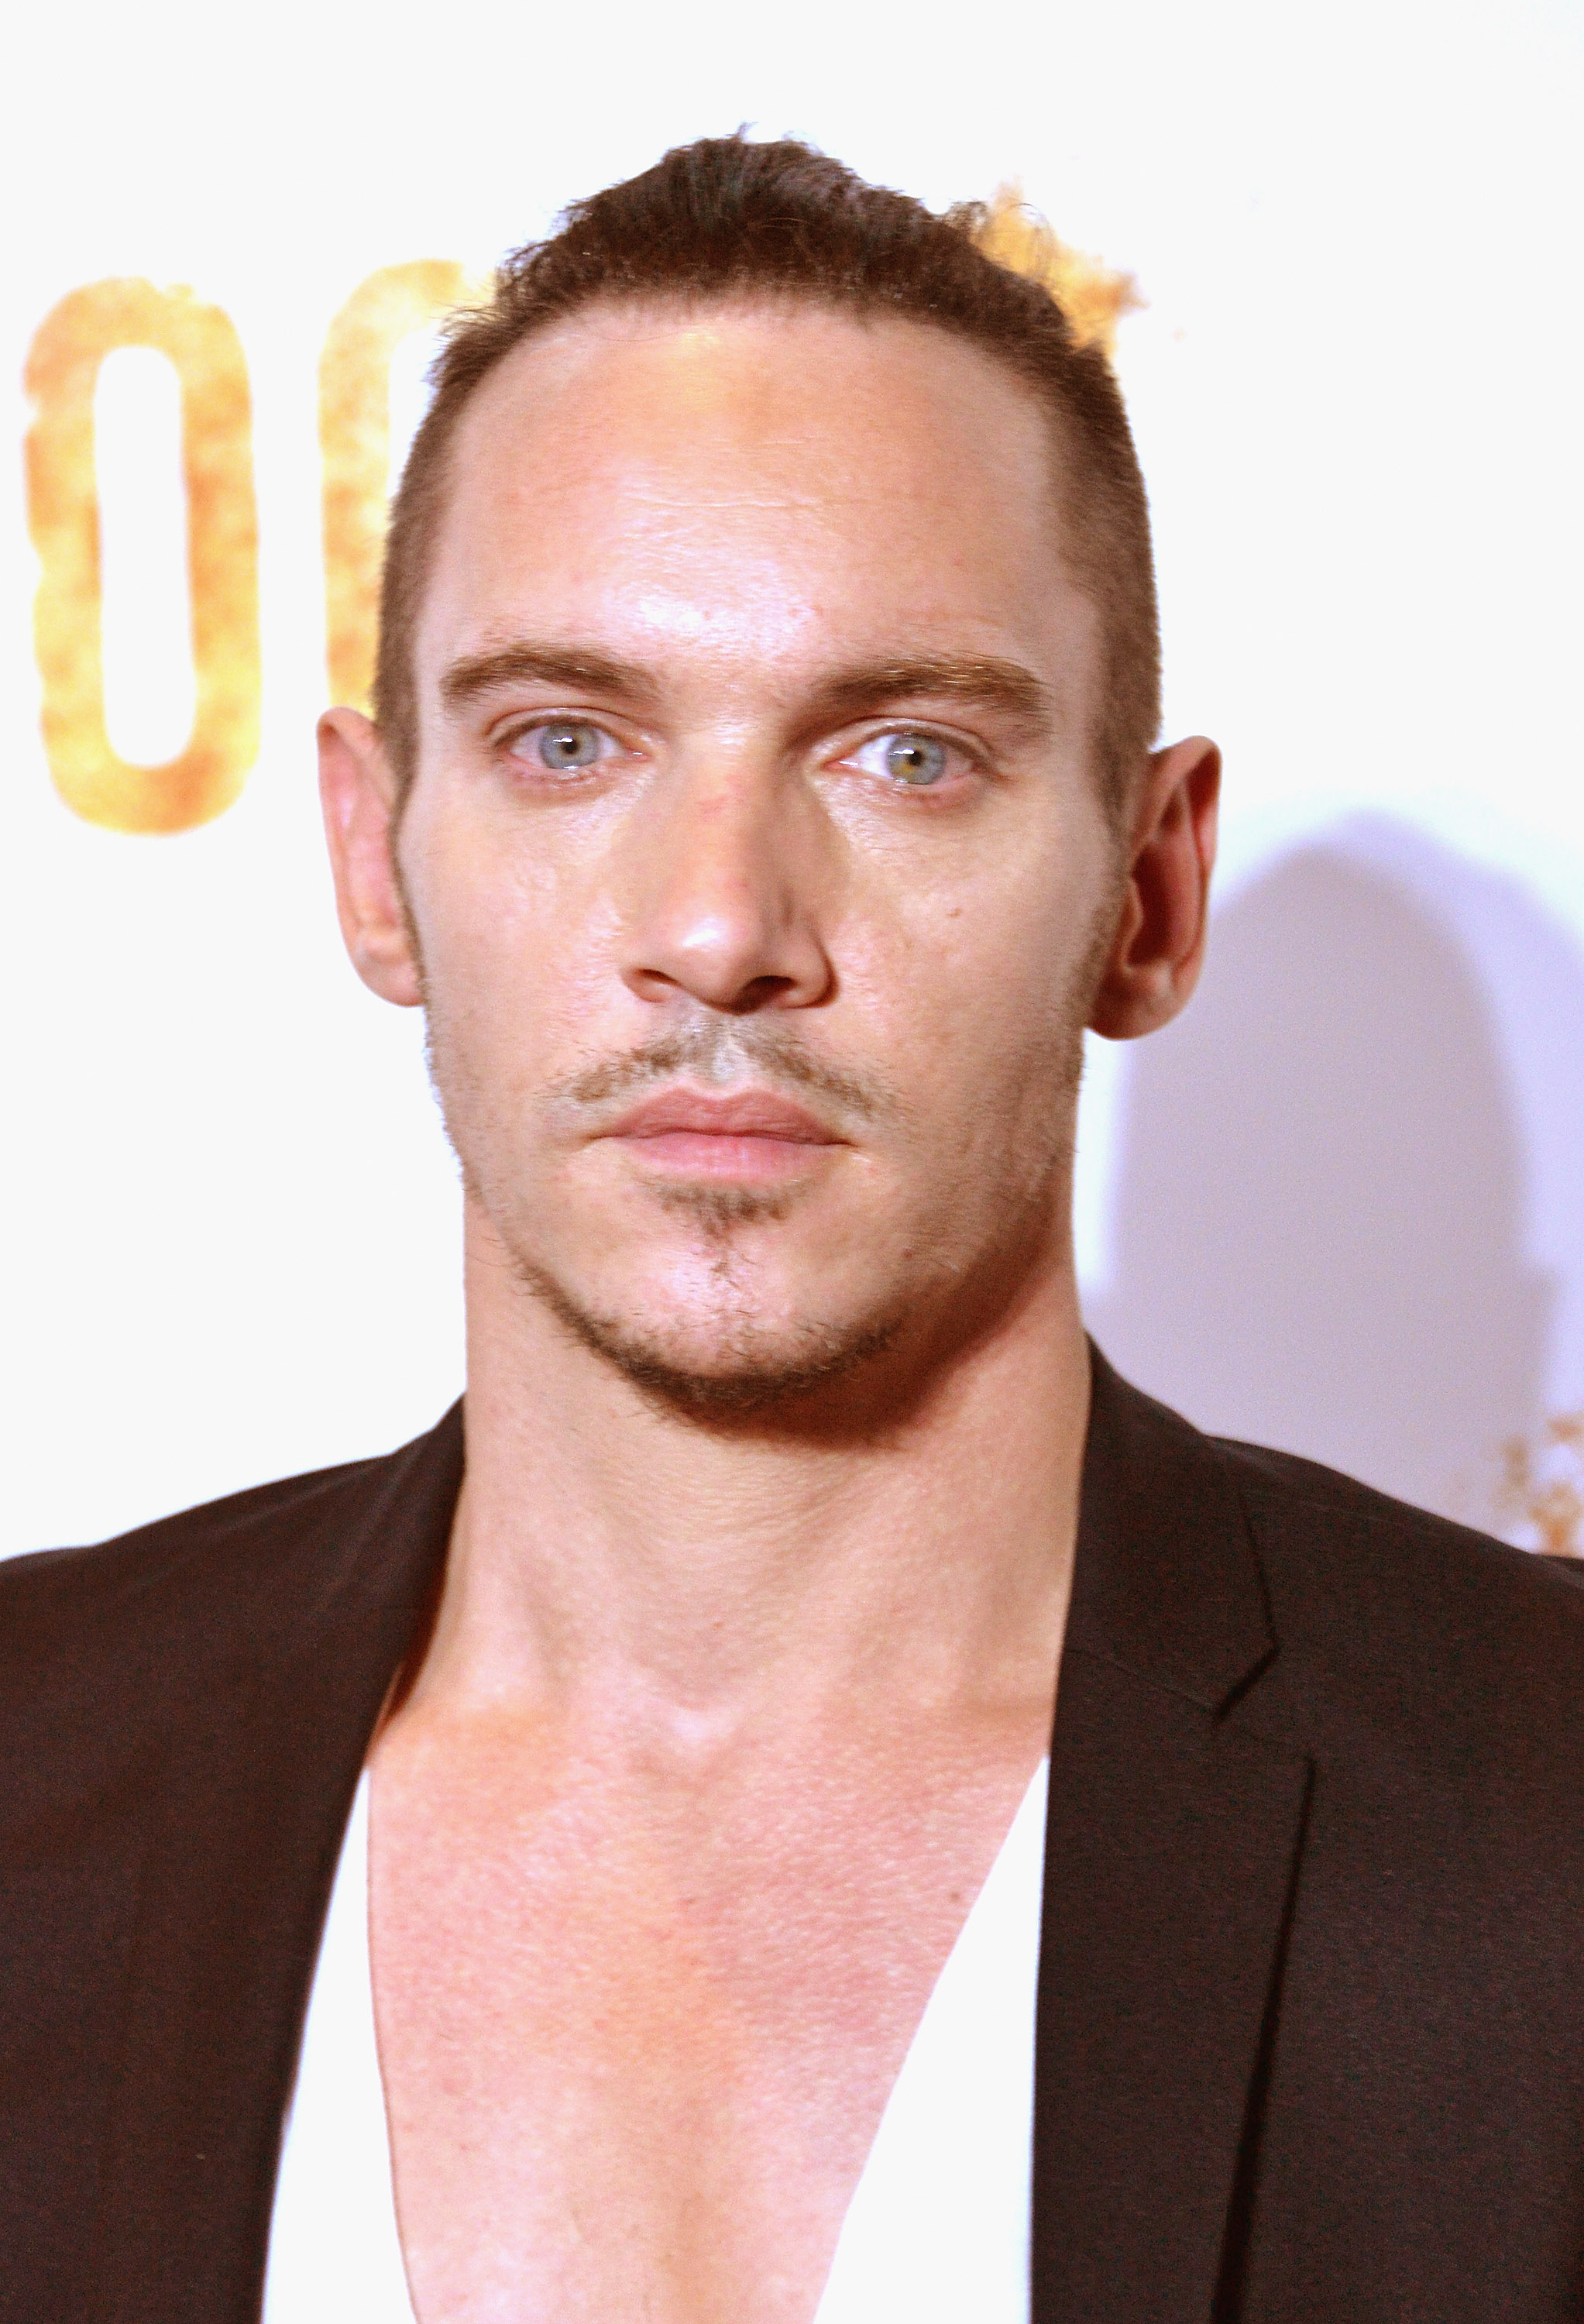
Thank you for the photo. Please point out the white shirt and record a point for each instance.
(938, 2229)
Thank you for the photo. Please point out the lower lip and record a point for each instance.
(702, 1154)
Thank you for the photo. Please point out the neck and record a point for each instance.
(618, 1562)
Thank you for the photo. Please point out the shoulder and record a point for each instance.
(106, 1645)
(1316, 1526)
(191, 1566)
(1424, 1631)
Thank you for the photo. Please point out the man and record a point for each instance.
(762, 800)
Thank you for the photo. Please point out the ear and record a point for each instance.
(1158, 948)
(358, 793)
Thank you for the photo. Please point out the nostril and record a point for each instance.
(653, 984)
(758, 992)
(743, 1001)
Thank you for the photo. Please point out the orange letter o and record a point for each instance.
(222, 549)
(355, 448)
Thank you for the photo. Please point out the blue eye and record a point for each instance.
(916, 759)
(567, 745)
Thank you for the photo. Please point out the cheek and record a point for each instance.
(511, 938)
(974, 979)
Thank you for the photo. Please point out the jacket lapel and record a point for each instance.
(1173, 1837)
(251, 1808)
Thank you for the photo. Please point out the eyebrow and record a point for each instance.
(974, 680)
(525, 662)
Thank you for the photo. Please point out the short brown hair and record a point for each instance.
(727, 219)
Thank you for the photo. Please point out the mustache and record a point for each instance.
(724, 1051)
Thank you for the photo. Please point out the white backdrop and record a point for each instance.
(1338, 1206)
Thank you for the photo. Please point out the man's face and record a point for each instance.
(754, 852)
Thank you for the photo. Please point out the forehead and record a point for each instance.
(752, 476)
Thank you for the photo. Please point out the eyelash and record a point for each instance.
(953, 749)
(511, 737)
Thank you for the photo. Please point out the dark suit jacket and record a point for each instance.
(1311, 2037)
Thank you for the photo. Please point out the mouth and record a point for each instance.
(754, 1136)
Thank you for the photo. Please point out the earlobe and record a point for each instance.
(1158, 948)
(358, 794)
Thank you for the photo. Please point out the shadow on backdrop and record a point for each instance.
(1321, 1194)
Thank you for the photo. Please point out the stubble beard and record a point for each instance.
(756, 1372)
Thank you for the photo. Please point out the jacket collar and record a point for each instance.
(244, 1831)
(1172, 1841)
(1168, 1582)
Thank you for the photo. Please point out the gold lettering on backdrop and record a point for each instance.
(200, 342)
(355, 450)
(1093, 297)
(1541, 1497)
(355, 427)
(222, 526)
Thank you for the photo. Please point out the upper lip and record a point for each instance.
(749, 1113)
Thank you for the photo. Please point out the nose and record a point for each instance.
(728, 876)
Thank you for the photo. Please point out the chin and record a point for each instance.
(728, 1366)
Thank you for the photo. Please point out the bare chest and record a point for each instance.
(637, 2039)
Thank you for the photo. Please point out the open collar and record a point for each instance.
(1173, 1833)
